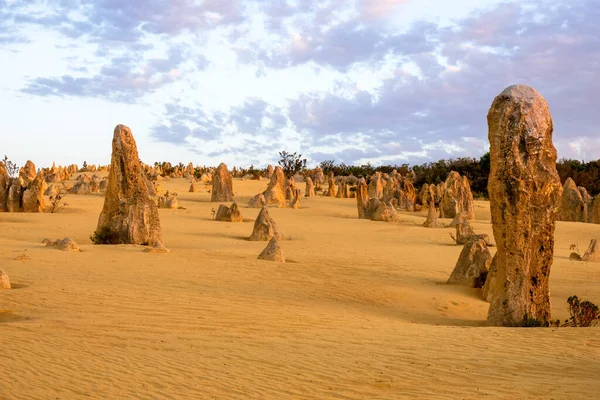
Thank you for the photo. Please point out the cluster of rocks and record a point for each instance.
(453, 198)
(166, 170)
(24, 193)
(577, 205)
(84, 185)
(95, 168)
(58, 174)
(384, 196)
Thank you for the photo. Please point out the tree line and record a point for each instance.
(584, 174)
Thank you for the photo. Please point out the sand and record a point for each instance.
(360, 311)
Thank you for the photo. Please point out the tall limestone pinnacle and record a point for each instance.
(129, 215)
(524, 190)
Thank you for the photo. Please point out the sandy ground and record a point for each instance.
(360, 311)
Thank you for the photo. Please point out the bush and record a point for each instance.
(291, 163)
(11, 168)
(56, 203)
(583, 313)
(105, 236)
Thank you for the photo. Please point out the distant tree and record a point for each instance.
(327, 165)
(291, 163)
(11, 168)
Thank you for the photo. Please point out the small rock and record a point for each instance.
(272, 252)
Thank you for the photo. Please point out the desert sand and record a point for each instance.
(360, 310)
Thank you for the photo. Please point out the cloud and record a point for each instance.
(330, 79)
(376, 9)
(554, 50)
(124, 78)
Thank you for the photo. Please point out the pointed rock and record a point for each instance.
(4, 281)
(275, 192)
(222, 185)
(33, 196)
(524, 190)
(129, 215)
(264, 227)
(310, 188)
(472, 266)
(592, 253)
(362, 198)
(295, 203)
(257, 201)
(272, 252)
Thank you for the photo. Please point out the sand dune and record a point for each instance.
(360, 310)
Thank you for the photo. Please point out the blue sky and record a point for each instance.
(388, 81)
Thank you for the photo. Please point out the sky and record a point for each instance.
(238, 81)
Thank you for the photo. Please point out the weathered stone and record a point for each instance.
(222, 185)
(319, 178)
(426, 195)
(376, 186)
(272, 252)
(270, 171)
(5, 182)
(378, 210)
(310, 188)
(406, 195)
(465, 233)
(362, 198)
(28, 172)
(290, 190)
(15, 194)
(295, 203)
(524, 190)
(129, 215)
(257, 201)
(593, 252)
(4, 281)
(432, 216)
(457, 197)
(66, 244)
(264, 227)
(193, 188)
(594, 216)
(33, 195)
(587, 204)
(571, 206)
(490, 280)
(275, 192)
(229, 214)
(80, 188)
(52, 190)
(472, 266)
(168, 201)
